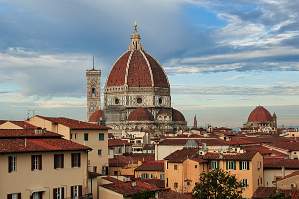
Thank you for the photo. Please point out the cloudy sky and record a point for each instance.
(222, 57)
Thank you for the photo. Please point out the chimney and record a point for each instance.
(283, 171)
(133, 183)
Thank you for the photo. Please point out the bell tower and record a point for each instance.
(93, 77)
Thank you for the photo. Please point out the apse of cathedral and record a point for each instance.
(136, 95)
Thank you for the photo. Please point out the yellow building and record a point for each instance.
(91, 135)
(184, 167)
(40, 164)
(150, 170)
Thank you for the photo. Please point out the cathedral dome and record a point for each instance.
(140, 114)
(97, 116)
(136, 68)
(260, 114)
(177, 116)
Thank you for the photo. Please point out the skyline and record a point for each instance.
(223, 59)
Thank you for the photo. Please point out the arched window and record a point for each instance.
(93, 92)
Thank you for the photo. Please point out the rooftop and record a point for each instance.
(130, 188)
(151, 166)
(74, 124)
(39, 145)
(27, 133)
(117, 142)
(278, 163)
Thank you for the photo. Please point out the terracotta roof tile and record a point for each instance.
(132, 68)
(97, 116)
(127, 189)
(260, 114)
(118, 142)
(277, 163)
(126, 159)
(177, 116)
(28, 133)
(290, 146)
(151, 166)
(140, 114)
(74, 124)
(22, 124)
(38, 145)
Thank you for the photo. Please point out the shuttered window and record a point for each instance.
(58, 193)
(12, 163)
(76, 191)
(14, 196)
(36, 162)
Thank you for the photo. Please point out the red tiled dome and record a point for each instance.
(96, 116)
(259, 114)
(136, 68)
(140, 114)
(177, 116)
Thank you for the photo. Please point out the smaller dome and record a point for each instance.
(260, 114)
(140, 114)
(97, 116)
(177, 116)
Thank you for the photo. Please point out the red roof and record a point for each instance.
(97, 116)
(290, 146)
(192, 153)
(117, 142)
(151, 166)
(39, 145)
(177, 116)
(267, 192)
(27, 133)
(140, 114)
(260, 114)
(183, 141)
(127, 188)
(22, 124)
(278, 163)
(136, 68)
(74, 124)
(123, 160)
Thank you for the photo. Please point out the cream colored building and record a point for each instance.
(184, 167)
(91, 135)
(41, 165)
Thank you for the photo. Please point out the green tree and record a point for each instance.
(217, 184)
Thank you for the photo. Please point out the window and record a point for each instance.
(58, 161)
(175, 167)
(71, 136)
(244, 165)
(99, 152)
(160, 100)
(76, 159)
(36, 162)
(167, 165)
(195, 166)
(85, 136)
(58, 193)
(139, 100)
(93, 91)
(101, 136)
(37, 195)
(175, 185)
(76, 191)
(166, 182)
(12, 163)
(116, 101)
(231, 165)
(214, 164)
(14, 196)
(244, 183)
